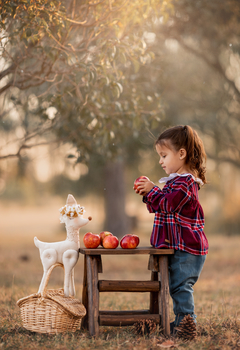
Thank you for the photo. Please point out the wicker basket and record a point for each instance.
(50, 311)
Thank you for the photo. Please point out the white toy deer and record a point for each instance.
(65, 252)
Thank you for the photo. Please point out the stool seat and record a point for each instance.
(158, 287)
(121, 251)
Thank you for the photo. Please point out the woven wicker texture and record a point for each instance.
(50, 311)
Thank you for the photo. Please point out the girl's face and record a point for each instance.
(172, 161)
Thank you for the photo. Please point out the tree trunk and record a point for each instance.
(116, 220)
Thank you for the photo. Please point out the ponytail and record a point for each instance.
(187, 138)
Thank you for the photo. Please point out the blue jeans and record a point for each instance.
(184, 271)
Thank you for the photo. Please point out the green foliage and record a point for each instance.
(93, 63)
(198, 63)
(84, 59)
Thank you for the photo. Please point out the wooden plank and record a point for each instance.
(164, 295)
(112, 320)
(93, 295)
(153, 263)
(94, 266)
(90, 296)
(99, 263)
(124, 312)
(120, 251)
(128, 286)
(154, 308)
(85, 295)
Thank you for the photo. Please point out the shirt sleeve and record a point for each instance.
(169, 202)
(152, 199)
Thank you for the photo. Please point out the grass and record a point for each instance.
(217, 299)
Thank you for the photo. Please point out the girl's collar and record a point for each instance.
(173, 175)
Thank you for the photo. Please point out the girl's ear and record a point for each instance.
(182, 153)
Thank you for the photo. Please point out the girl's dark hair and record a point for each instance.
(187, 138)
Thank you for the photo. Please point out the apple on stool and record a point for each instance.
(91, 240)
(129, 241)
(104, 234)
(110, 242)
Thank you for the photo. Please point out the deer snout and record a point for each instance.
(89, 218)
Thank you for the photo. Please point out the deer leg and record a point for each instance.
(70, 258)
(72, 286)
(48, 258)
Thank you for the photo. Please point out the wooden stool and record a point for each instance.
(158, 287)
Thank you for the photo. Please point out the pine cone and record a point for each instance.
(187, 328)
(145, 327)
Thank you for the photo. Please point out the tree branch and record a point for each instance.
(24, 146)
(216, 66)
(222, 159)
(7, 71)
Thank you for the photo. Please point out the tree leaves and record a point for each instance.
(85, 59)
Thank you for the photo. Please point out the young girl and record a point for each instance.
(179, 218)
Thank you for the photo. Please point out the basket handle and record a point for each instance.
(44, 290)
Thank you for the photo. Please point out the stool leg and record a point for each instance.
(154, 309)
(85, 295)
(93, 295)
(164, 294)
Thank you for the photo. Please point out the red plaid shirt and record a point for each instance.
(179, 218)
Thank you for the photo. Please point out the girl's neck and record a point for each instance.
(185, 170)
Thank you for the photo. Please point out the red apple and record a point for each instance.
(91, 240)
(110, 242)
(137, 180)
(104, 234)
(129, 241)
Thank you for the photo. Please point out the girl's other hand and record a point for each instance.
(144, 186)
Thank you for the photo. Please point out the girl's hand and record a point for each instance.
(144, 186)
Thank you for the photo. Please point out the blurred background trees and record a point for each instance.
(197, 60)
(97, 81)
(68, 76)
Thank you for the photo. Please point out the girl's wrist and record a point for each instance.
(149, 189)
(150, 186)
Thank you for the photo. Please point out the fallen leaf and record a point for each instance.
(167, 344)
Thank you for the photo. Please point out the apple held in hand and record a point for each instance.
(129, 241)
(110, 242)
(91, 240)
(135, 186)
(104, 234)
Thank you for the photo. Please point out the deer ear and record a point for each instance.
(71, 200)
